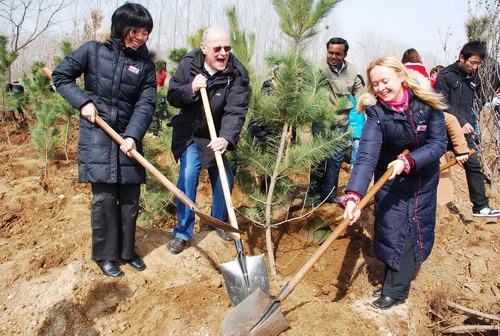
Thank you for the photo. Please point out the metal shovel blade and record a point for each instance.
(245, 275)
(257, 315)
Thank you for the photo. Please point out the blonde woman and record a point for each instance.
(401, 114)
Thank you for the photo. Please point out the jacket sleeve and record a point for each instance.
(357, 88)
(444, 87)
(456, 134)
(180, 91)
(368, 155)
(235, 110)
(65, 74)
(435, 145)
(144, 107)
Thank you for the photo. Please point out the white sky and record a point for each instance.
(372, 27)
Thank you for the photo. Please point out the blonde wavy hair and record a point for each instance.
(412, 80)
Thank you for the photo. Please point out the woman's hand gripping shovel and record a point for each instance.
(156, 173)
(163, 180)
(320, 231)
(258, 314)
(245, 274)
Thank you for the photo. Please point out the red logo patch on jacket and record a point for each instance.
(133, 69)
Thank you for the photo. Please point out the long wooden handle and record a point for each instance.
(163, 180)
(220, 163)
(445, 166)
(333, 236)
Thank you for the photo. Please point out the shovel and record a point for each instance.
(156, 173)
(245, 274)
(314, 232)
(258, 314)
(170, 186)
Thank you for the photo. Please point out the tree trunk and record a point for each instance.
(269, 201)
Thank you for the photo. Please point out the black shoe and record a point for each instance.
(176, 245)
(136, 263)
(109, 268)
(377, 292)
(386, 302)
(226, 236)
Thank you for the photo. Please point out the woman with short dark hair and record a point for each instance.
(120, 86)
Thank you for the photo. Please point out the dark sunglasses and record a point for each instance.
(218, 49)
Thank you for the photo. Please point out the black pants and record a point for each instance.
(113, 217)
(475, 179)
(397, 283)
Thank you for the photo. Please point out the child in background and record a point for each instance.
(356, 123)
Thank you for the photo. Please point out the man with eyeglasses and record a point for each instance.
(343, 81)
(211, 66)
(458, 84)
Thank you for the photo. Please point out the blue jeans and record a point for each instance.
(354, 151)
(325, 176)
(188, 182)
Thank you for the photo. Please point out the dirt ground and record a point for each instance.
(49, 285)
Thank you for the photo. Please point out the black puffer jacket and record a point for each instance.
(228, 94)
(405, 205)
(121, 83)
(459, 88)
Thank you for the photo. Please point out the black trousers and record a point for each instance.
(475, 179)
(113, 217)
(397, 283)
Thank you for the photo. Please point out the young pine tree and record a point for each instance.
(296, 99)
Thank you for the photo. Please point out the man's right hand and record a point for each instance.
(467, 128)
(89, 112)
(199, 82)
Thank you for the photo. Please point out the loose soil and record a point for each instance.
(49, 285)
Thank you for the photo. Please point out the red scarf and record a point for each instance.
(400, 106)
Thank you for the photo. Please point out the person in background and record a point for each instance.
(120, 87)
(434, 73)
(458, 84)
(212, 66)
(343, 81)
(411, 59)
(356, 123)
(16, 91)
(161, 73)
(401, 114)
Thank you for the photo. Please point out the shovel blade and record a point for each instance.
(255, 309)
(240, 284)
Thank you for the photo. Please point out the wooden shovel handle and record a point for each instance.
(220, 163)
(149, 167)
(333, 236)
(445, 166)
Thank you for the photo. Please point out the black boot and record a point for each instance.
(109, 268)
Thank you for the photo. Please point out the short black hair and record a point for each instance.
(473, 48)
(130, 17)
(338, 40)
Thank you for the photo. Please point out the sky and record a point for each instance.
(372, 27)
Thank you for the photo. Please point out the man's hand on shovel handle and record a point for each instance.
(350, 213)
(199, 82)
(219, 144)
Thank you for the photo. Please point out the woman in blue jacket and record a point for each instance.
(402, 114)
(120, 86)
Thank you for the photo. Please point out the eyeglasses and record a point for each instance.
(473, 63)
(218, 49)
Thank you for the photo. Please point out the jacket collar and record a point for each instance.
(142, 51)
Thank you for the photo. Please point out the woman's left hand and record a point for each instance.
(399, 167)
(128, 146)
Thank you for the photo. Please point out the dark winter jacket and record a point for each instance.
(458, 87)
(407, 204)
(121, 82)
(228, 95)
